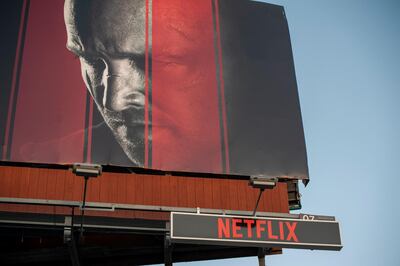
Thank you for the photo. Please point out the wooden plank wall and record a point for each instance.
(177, 191)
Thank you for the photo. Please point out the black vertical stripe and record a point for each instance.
(263, 111)
(10, 19)
(87, 128)
(150, 128)
(19, 66)
(220, 103)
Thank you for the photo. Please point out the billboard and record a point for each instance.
(197, 86)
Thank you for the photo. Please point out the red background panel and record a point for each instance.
(50, 111)
(186, 129)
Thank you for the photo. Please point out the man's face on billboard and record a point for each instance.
(109, 39)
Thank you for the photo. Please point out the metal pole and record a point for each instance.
(261, 260)
(167, 250)
(73, 251)
(83, 204)
(261, 256)
(258, 201)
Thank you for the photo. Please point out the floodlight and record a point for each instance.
(263, 182)
(86, 169)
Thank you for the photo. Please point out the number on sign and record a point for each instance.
(308, 217)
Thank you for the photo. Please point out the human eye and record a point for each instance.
(138, 61)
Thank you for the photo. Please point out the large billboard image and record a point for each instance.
(205, 86)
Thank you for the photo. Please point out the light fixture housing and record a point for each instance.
(87, 169)
(263, 182)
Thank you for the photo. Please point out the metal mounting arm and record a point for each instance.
(262, 183)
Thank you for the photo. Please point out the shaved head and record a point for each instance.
(115, 25)
(108, 36)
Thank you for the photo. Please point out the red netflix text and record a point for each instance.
(253, 229)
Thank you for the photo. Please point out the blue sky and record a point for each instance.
(347, 61)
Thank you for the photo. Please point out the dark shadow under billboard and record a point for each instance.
(196, 86)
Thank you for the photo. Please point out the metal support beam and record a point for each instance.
(83, 205)
(68, 224)
(167, 247)
(70, 241)
(68, 229)
(261, 260)
(261, 256)
(100, 206)
(258, 201)
(73, 252)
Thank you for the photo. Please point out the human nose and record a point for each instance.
(123, 86)
(112, 99)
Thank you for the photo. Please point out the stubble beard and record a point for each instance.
(128, 129)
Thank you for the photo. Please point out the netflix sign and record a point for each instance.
(255, 231)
